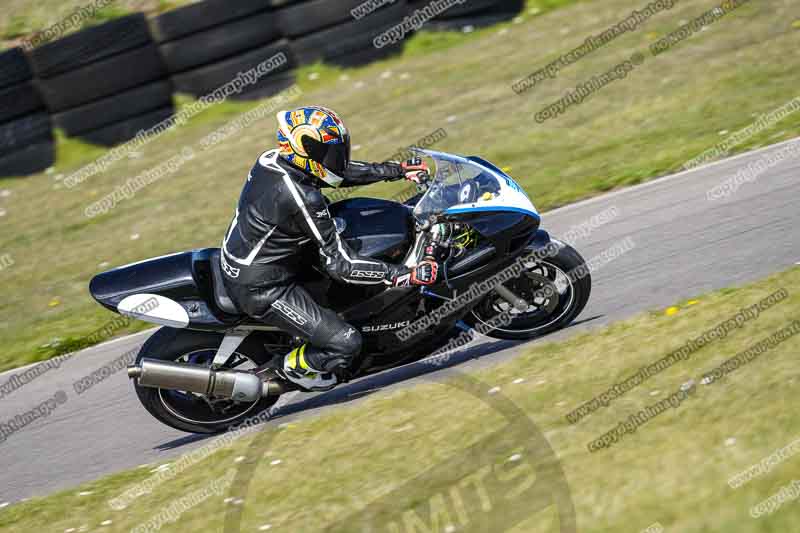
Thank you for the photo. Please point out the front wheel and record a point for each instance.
(556, 290)
(197, 413)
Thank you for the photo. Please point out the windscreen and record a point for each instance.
(464, 184)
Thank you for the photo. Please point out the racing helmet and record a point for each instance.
(315, 139)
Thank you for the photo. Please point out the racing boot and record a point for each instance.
(297, 370)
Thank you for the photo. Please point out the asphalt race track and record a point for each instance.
(684, 245)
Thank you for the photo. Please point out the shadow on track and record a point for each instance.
(376, 382)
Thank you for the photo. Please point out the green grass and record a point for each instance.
(668, 111)
(368, 457)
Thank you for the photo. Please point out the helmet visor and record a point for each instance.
(335, 157)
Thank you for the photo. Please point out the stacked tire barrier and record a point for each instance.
(474, 13)
(26, 133)
(207, 44)
(325, 30)
(105, 83)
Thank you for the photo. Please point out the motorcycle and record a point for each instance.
(210, 367)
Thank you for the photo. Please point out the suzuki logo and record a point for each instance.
(385, 327)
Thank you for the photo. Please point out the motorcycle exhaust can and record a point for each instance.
(238, 386)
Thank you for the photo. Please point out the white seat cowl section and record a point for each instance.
(154, 308)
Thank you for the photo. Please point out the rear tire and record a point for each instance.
(549, 315)
(168, 344)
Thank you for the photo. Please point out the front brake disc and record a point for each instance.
(545, 283)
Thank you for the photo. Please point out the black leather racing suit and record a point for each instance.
(280, 209)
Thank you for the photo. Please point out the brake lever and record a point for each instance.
(424, 182)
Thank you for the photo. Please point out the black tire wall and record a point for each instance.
(26, 136)
(300, 20)
(90, 45)
(488, 15)
(106, 82)
(19, 100)
(220, 42)
(206, 79)
(104, 78)
(469, 7)
(201, 16)
(31, 159)
(108, 102)
(352, 37)
(14, 67)
(127, 129)
(116, 108)
(21, 132)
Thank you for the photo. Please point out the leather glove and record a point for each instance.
(422, 274)
(416, 170)
(425, 273)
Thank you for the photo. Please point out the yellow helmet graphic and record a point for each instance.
(316, 140)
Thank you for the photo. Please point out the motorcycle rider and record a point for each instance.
(280, 209)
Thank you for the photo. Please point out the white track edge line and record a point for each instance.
(669, 177)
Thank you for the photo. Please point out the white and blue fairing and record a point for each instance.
(471, 185)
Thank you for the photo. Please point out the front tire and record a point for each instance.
(190, 412)
(555, 276)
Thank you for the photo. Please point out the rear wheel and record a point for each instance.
(555, 294)
(191, 412)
